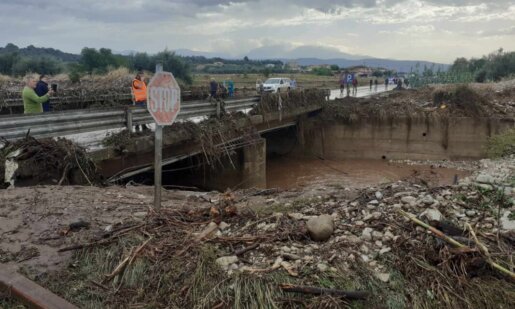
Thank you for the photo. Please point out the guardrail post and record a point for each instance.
(128, 119)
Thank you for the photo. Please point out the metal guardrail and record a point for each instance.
(79, 121)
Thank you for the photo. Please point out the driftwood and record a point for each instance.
(455, 243)
(350, 295)
(245, 250)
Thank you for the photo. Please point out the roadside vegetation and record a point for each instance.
(502, 145)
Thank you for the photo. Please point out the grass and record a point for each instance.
(501, 145)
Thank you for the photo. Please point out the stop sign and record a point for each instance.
(163, 98)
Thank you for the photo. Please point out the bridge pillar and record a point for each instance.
(254, 165)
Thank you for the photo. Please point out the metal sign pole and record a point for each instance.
(158, 157)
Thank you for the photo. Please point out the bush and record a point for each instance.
(502, 145)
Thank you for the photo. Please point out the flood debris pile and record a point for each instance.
(400, 245)
(433, 102)
(46, 161)
(274, 102)
(217, 137)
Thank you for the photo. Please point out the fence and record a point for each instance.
(80, 121)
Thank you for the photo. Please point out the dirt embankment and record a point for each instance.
(440, 101)
(252, 248)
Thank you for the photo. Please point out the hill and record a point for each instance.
(36, 52)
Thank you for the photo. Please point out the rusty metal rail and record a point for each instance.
(56, 124)
(30, 293)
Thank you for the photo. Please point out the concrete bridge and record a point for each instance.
(244, 153)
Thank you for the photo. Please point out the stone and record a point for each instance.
(408, 199)
(320, 228)
(377, 235)
(222, 226)
(485, 187)
(322, 267)
(296, 216)
(485, 178)
(385, 250)
(353, 239)
(367, 233)
(379, 195)
(470, 213)
(379, 243)
(359, 223)
(428, 200)
(506, 222)
(374, 202)
(388, 236)
(432, 215)
(225, 261)
(385, 277)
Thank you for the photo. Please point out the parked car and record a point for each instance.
(277, 84)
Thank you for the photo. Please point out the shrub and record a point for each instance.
(502, 145)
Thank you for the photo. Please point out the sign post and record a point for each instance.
(163, 103)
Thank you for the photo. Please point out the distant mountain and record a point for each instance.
(32, 51)
(391, 64)
(188, 53)
(280, 51)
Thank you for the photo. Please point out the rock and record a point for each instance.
(379, 243)
(322, 267)
(470, 213)
(432, 215)
(225, 261)
(379, 195)
(385, 277)
(385, 250)
(296, 216)
(377, 235)
(353, 239)
(485, 178)
(367, 233)
(222, 226)
(359, 223)
(488, 225)
(506, 222)
(485, 187)
(320, 228)
(285, 249)
(388, 236)
(408, 200)
(374, 202)
(428, 200)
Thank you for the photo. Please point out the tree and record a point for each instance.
(266, 72)
(335, 67)
(173, 63)
(246, 59)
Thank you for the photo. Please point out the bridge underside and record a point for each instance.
(243, 164)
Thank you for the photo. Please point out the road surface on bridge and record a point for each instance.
(363, 91)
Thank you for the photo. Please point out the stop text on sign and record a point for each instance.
(163, 99)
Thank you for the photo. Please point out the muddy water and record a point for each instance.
(289, 172)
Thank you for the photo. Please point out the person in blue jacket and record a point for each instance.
(42, 89)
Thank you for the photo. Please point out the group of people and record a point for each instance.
(36, 94)
(223, 90)
(346, 82)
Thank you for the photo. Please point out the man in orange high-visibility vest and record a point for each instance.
(139, 90)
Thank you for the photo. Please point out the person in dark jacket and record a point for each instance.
(213, 88)
(42, 89)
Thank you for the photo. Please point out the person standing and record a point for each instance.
(355, 86)
(42, 89)
(213, 88)
(386, 83)
(32, 103)
(375, 85)
(371, 85)
(139, 90)
(342, 85)
(231, 88)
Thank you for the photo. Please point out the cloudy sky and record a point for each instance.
(433, 30)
